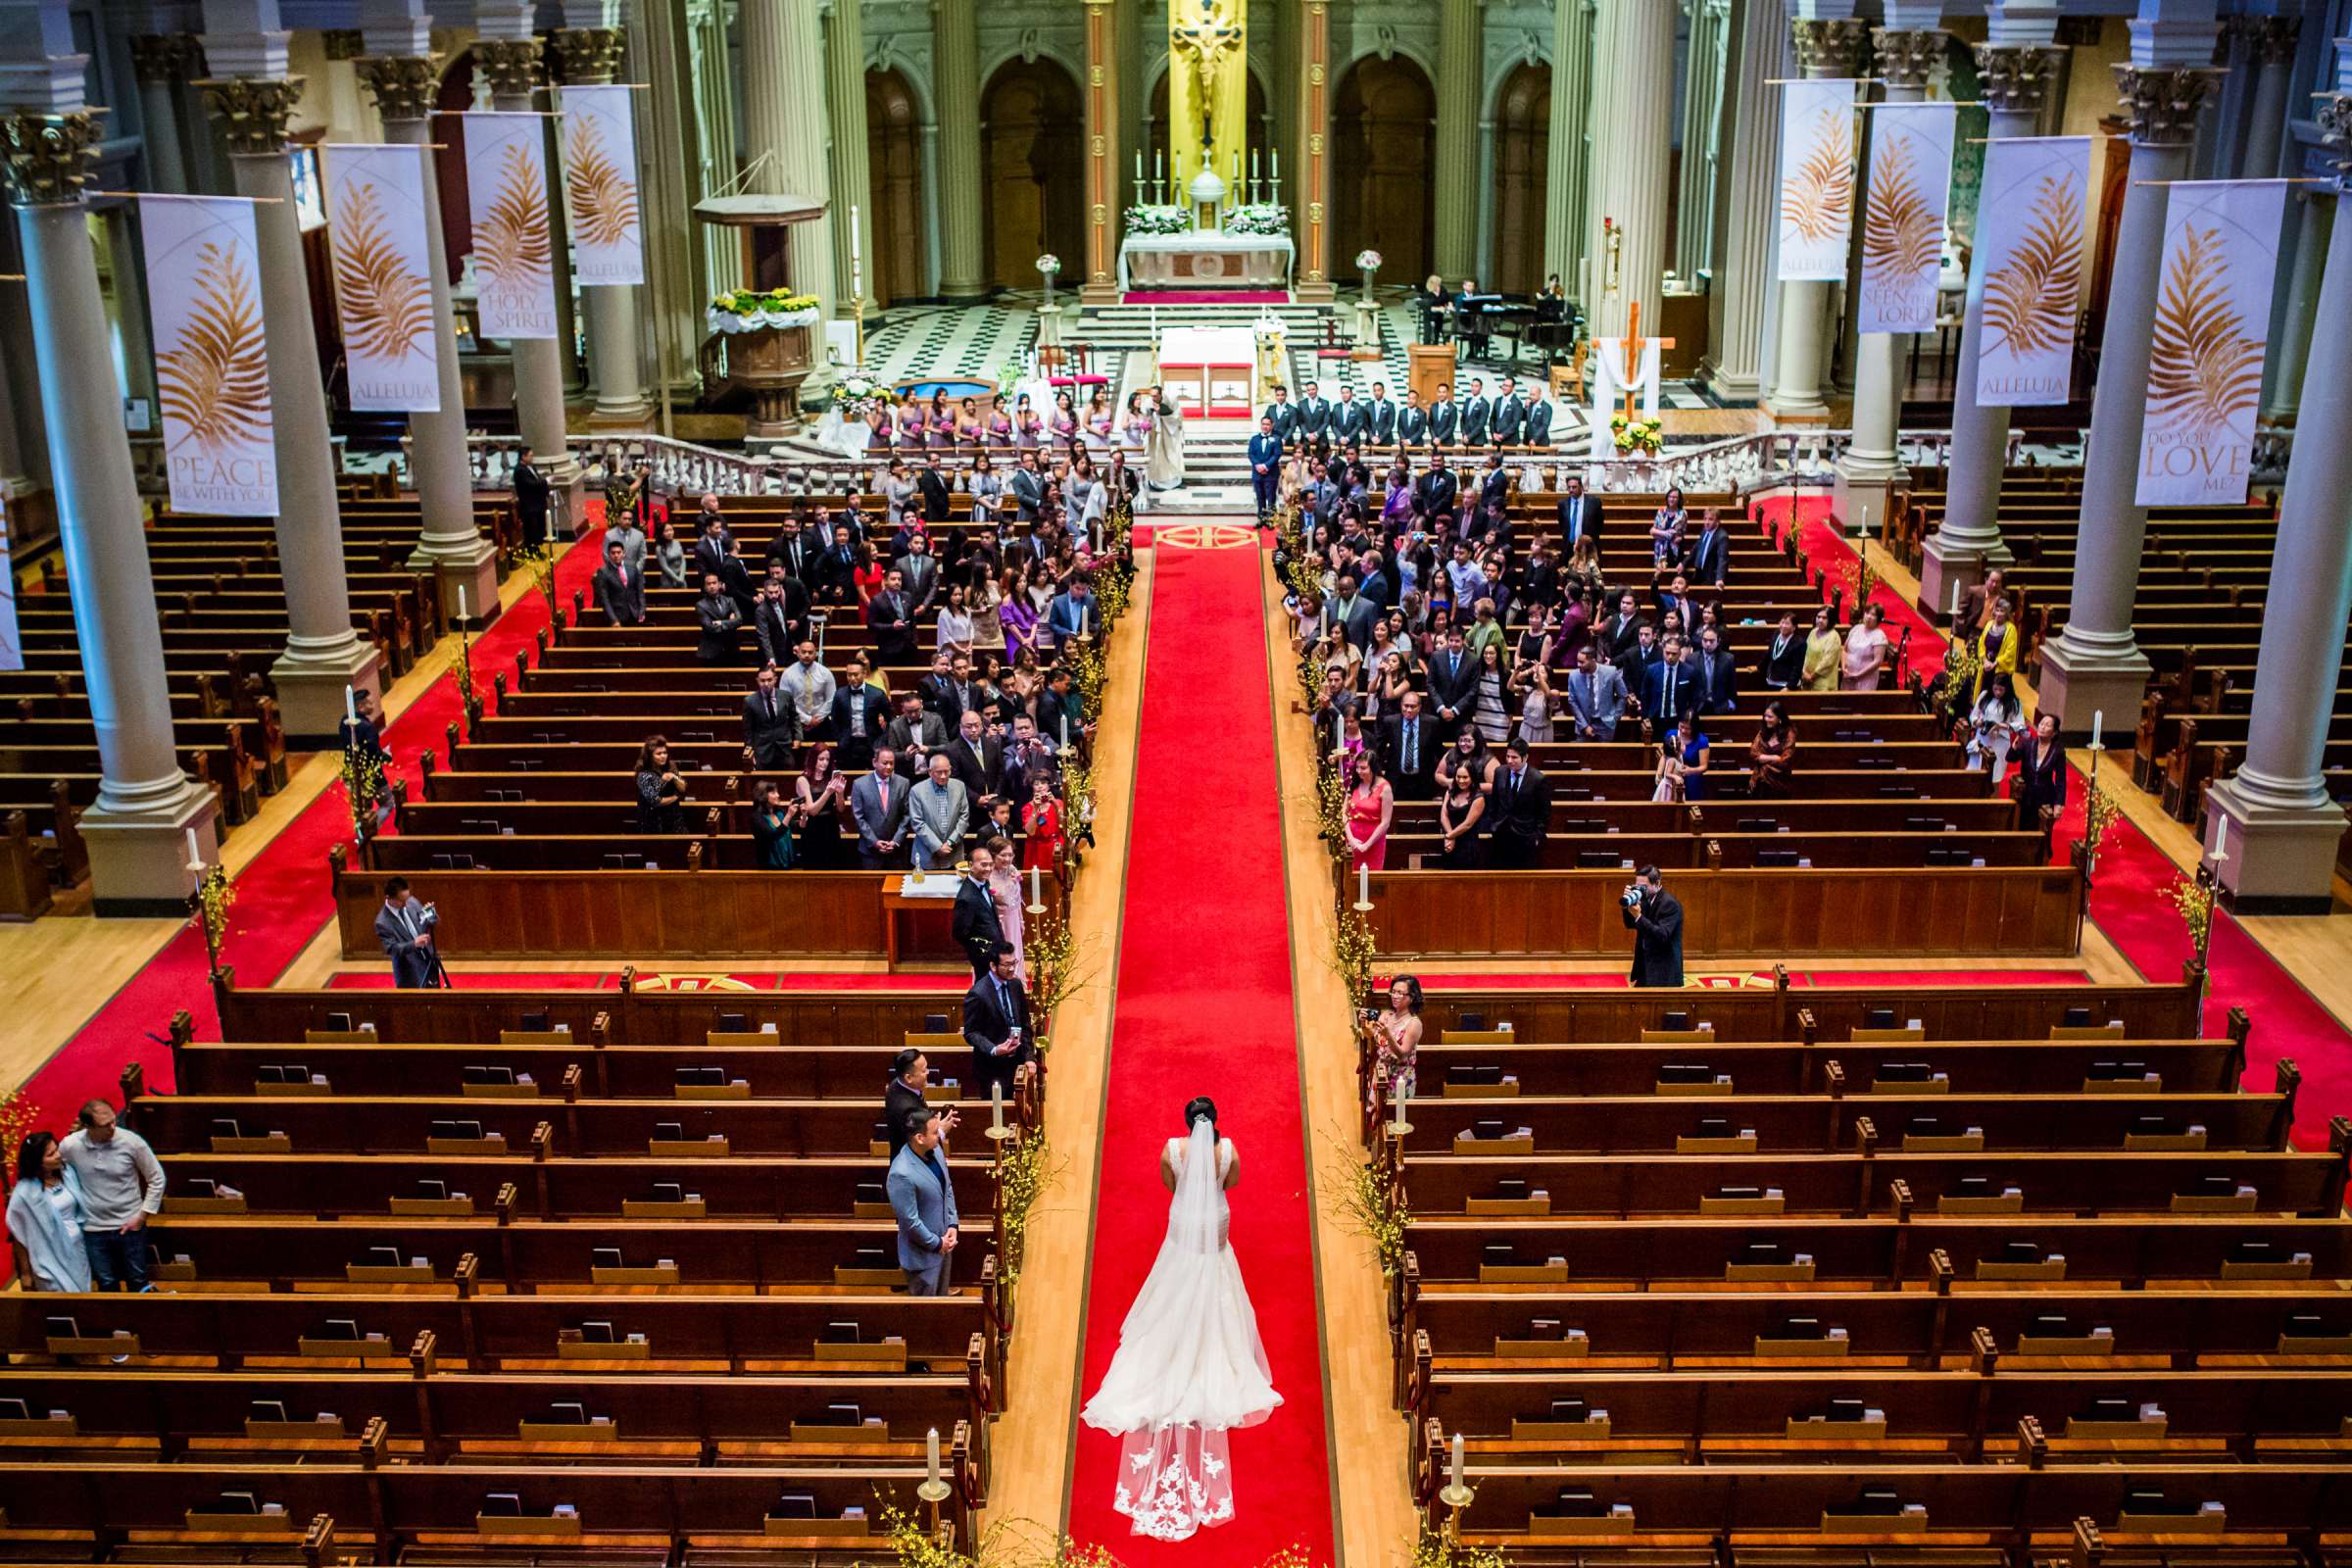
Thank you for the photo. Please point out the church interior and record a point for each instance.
(1685, 626)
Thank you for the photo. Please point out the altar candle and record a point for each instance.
(1139, 166)
(1274, 161)
(2098, 728)
(852, 234)
(1455, 1470)
(1157, 166)
(931, 1454)
(2221, 838)
(351, 706)
(995, 1107)
(1065, 729)
(1253, 166)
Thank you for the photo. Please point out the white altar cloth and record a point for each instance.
(1209, 371)
(1206, 260)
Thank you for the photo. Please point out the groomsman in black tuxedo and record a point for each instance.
(1383, 417)
(1435, 490)
(995, 1021)
(1509, 425)
(1314, 417)
(1538, 422)
(1285, 414)
(1348, 420)
(1445, 417)
(1476, 412)
(1412, 420)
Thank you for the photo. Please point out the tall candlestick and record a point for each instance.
(1454, 1472)
(996, 1106)
(1955, 599)
(931, 1453)
(1274, 161)
(1139, 166)
(1253, 166)
(853, 235)
(1158, 167)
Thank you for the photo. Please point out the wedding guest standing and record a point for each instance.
(121, 1184)
(45, 1217)
(923, 1200)
(996, 1022)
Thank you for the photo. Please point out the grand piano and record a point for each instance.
(1550, 327)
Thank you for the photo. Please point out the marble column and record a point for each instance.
(1099, 271)
(852, 186)
(1703, 83)
(2282, 854)
(512, 65)
(590, 57)
(2272, 40)
(2314, 218)
(1566, 163)
(1456, 194)
(323, 654)
(2094, 665)
(1871, 468)
(461, 561)
(1744, 212)
(160, 61)
(784, 129)
(955, 85)
(1825, 48)
(1633, 72)
(1312, 282)
(2011, 80)
(137, 829)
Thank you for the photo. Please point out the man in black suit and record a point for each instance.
(995, 1021)
(932, 486)
(530, 501)
(1580, 514)
(619, 592)
(1538, 422)
(1452, 684)
(1520, 812)
(1028, 487)
(1409, 750)
(769, 725)
(792, 550)
(860, 713)
(1265, 465)
(1711, 552)
(910, 1076)
(780, 616)
(1437, 490)
(1509, 423)
(975, 925)
(1348, 420)
(1655, 918)
(891, 619)
(1351, 612)
(919, 575)
(710, 547)
(1380, 416)
(1445, 417)
(833, 576)
(1494, 485)
(1412, 419)
(978, 760)
(1283, 415)
(1314, 417)
(1476, 412)
(1717, 674)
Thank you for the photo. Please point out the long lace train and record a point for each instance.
(1174, 1480)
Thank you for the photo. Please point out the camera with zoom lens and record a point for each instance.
(1630, 898)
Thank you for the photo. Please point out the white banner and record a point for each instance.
(2211, 329)
(599, 185)
(11, 643)
(1817, 179)
(212, 357)
(505, 188)
(2030, 222)
(383, 279)
(1903, 216)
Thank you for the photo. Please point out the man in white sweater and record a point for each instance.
(122, 1183)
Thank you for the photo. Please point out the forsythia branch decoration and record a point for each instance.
(1436, 1550)
(1365, 1202)
(1353, 951)
(214, 896)
(215, 377)
(2204, 370)
(2029, 299)
(1029, 1169)
(1058, 968)
(387, 308)
(19, 1118)
(362, 786)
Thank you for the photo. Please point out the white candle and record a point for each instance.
(931, 1453)
(853, 235)
(1157, 166)
(1274, 161)
(195, 859)
(1036, 885)
(1253, 166)
(351, 706)
(1955, 599)
(1396, 1099)
(463, 612)
(1065, 729)
(2221, 838)
(2098, 728)
(1363, 883)
(1457, 1469)
(1139, 164)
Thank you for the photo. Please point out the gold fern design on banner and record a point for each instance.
(510, 244)
(1901, 235)
(604, 198)
(1818, 194)
(2204, 372)
(215, 377)
(2029, 299)
(387, 306)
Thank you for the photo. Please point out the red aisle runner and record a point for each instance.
(281, 897)
(1205, 1006)
(2127, 901)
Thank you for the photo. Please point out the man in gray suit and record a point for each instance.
(405, 927)
(1595, 698)
(924, 1201)
(878, 806)
(937, 812)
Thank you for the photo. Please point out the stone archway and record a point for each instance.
(1384, 150)
(1032, 146)
(1522, 167)
(895, 158)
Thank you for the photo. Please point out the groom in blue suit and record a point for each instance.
(1265, 465)
(924, 1201)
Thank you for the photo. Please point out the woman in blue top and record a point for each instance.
(1693, 748)
(44, 1218)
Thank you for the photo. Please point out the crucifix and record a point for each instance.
(1632, 346)
(1207, 40)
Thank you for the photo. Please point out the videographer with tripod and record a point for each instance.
(1655, 918)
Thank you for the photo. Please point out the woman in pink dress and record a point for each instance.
(1028, 430)
(911, 426)
(1370, 807)
(997, 432)
(939, 421)
(967, 424)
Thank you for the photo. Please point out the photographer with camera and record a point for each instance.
(1655, 918)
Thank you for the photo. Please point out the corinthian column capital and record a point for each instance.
(49, 158)
(253, 112)
(1905, 57)
(588, 55)
(510, 64)
(165, 57)
(2014, 76)
(2162, 101)
(1830, 48)
(2273, 38)
(405, 85)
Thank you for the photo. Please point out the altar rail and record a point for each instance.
(1985, 912)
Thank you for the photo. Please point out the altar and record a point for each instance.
(1205, 259)
(1210, 372)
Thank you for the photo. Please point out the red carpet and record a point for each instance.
(281, 897)
(2127, 901)
(1205, 1006)
(1834, 556)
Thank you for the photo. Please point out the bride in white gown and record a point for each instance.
(1189, 1366)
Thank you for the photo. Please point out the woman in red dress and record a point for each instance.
(1041, 828)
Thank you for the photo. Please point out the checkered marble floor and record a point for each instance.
(950, 339)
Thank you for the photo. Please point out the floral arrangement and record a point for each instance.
(1331, 813)
(364, 786)
(1057, 969)
(1365, 1202)
(1149, 219)
(1644, 435)
(2101, 812)
(1048, 263)
(1440, 1549)
(1029, 1169)
(859, 397)
(1259, 218)
(1865, 583)
(1353, 951)
(19, 1117)
(212, 900)
(1367, 261)
(541, 564)
(750, 310)
(2193, 897)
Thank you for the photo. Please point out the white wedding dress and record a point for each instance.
(1190, 1365)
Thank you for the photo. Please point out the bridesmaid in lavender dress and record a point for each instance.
(939, 422)
(1028, 430)
(911, 426)
(998, 435)
(1099, 421)
(967, 424)
(1065, 423)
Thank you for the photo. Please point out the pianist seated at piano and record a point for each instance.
(1434, 302)
(1470, 317)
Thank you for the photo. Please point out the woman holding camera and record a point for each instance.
(1397, 1032)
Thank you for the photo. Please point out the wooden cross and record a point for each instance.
(1633, 359)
